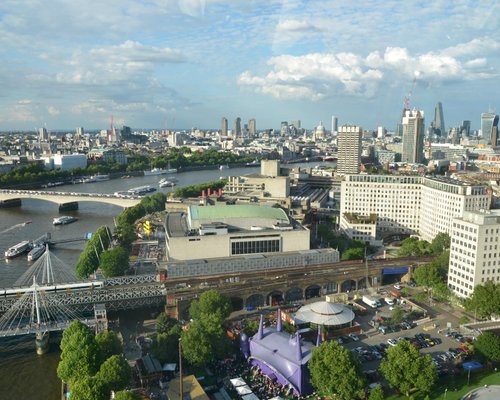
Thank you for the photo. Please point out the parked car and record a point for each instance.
(354, 337)
(392, 342)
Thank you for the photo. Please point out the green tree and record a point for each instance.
(441, 292)
(427, 275)
(488, 345)
(421, 297)
(114, 262)
(413, 247)
(251, 328)
(397, 315)
(405, 369)
(485, 300)
(164, 323)
(356, 253)
(89, 388)
(109, 344)
(127, 395)
(440, 243)
(377, 393)
(211, 303)
(166, 345)
(80, 353)
(335, 372)
(114, 373)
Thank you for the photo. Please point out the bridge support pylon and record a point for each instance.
(42, 342)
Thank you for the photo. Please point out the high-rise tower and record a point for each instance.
(335, 123)
(413, 136)
(438, 122)
(489, 128)
(237, 127)
(252, 127)
(223, 126)
(349, 149)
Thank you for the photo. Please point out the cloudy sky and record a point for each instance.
(185, 63)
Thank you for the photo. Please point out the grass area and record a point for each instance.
(457, 386)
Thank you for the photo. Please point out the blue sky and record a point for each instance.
(185, 63)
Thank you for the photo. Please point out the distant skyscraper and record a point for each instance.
(223, 126)
(489, 128)
(252, 127)
(413, 136)
(237, 127)
(465, 128)
(284, 128)
(349, 149)
(438, 122)
(335, 123)
(43, 135)
(80, 131)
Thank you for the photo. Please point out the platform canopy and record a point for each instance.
(324, 313)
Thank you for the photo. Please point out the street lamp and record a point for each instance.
(445, 392)
(181, 386)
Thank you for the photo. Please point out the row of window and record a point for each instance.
(254, 247)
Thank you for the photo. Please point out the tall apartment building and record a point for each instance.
(335, 124)
(413, 136)
(43, 135)
(349, 149)
(237, 127)
(407, 204)
(223, 126)
(474, 251)
(252, 127)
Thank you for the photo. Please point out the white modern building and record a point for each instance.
(349, 149)
(406, 204)
(69, 161)
(474, 251)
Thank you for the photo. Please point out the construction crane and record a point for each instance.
(407, 97)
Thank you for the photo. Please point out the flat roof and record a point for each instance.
(237, 211)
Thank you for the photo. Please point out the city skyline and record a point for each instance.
(186, 63)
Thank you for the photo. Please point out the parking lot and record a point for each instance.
(431, 338)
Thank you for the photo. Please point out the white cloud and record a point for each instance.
(53, 110)
(319, 75)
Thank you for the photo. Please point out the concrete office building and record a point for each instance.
(413, 137)
(474, 251)
(223, 126)
(489, 128)
(237, 128)
(349, 149)
(335, 125)
(252, 127)
(405, 204)
(231, 231)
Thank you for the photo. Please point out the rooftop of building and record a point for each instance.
(354, 218)
(324, 313)
(237, 211)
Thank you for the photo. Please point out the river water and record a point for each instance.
(23, 374)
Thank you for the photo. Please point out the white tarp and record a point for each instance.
(237, 382)
(243, 390)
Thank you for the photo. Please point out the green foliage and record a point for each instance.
(397, 315)
(421, 297)
(80, 353)
(89, 388)
(427, 275)
(109, 344)
(127, 395)
(488, 345)
(164, 323)
(335, 372)
(195, 190)
(376, 393)
(114, 262)
(114, 373)
(88, 261)
(485, 300)
(355, 253)
(340, 242)
(464, 319)
(166, 345)
(441, 292)
(405, 369)
(440, 243)
(251, 328)
(211, 303)
(413, 247)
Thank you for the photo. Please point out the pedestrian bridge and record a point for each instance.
(67, 197)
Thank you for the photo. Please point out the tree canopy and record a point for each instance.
(335, 372)
(406, 369)
(109, 344)
(376, 393)
(127, 395)
(114, 262)
(488, 345)
(212, 303)
(114, 373)
(485, 300)
(164, 323)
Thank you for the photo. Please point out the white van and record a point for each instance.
(389, 301)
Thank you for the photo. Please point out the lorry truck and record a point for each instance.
(372, 302)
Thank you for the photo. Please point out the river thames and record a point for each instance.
(23, 374)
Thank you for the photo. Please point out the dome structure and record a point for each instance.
(325, 313)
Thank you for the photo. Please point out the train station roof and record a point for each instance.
(324, 313)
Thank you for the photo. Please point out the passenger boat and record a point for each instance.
(17, 249)
(64, 220)
(166, 183)
(141, 190)
(159, 171)
(36, 252)
(224, 167)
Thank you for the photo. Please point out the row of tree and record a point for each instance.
(336, 372)
(92, 365)
(114, 261)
